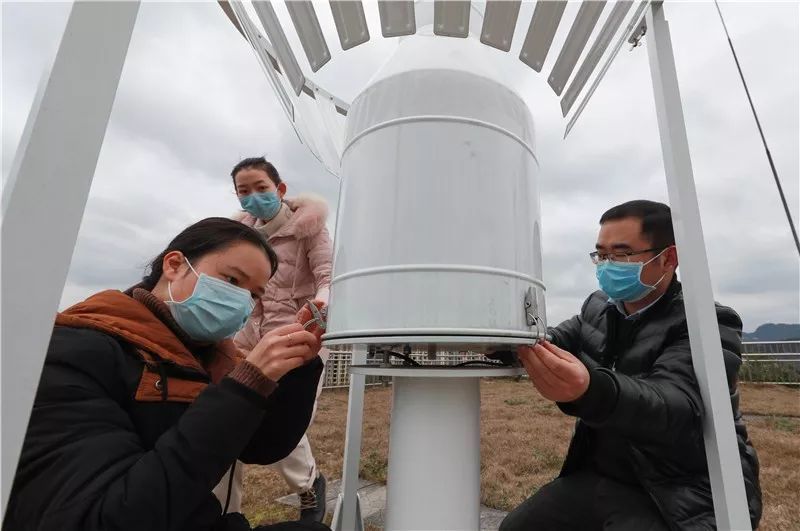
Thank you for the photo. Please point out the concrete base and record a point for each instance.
(373, 498)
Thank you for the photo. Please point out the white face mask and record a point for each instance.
(622, 281)
(215, 310)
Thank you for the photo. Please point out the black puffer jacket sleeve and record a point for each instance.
(84, 466)
(568, 336)
(287, 416)
(668, 397)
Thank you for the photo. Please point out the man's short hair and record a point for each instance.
(656, 220)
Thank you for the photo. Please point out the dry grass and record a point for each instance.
(761, 399)
(523, 442)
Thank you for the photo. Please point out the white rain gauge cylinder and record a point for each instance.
(437, 235)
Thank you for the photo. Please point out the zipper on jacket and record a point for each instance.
(162, 372)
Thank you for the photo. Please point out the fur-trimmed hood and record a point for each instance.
(309, 214)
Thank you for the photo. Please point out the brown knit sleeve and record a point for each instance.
(250, 376)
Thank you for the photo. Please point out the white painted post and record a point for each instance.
(434, 472)
(724, 465)
(347, 516)
(45, 196)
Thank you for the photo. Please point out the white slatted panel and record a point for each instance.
(544, 23)
(397, 17)
(451, 18)
(306, 23)
(578, 36)
(499, 22)
(291, 68)
(351, 24)
(608, 31)
(635, 21)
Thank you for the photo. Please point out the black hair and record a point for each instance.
(257, 163)
(207, 236)
(656, 220)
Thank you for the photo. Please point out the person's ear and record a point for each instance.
(172, 265)
(282, 190)
(671, 259)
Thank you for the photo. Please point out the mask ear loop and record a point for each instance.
(653, 286)
(190, 266)
(169, 284)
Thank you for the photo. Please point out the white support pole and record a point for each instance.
(347, 516)
(45, 196)
(434, 472)
(724, 465)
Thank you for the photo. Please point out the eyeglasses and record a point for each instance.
(619, 256)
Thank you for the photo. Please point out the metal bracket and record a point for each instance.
(338, 515)
(529, 304)
(532, 314)
(638, 34)
(319, 317)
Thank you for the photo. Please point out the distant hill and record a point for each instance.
(774, 332)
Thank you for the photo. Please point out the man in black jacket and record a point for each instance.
(623, 367)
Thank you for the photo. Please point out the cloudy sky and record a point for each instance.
(193, 100)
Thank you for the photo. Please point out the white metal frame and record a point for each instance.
(724, 464)
(53, 170)
(68, 122)
(348, 514)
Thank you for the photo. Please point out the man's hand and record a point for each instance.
(284, 349)
(558, 375)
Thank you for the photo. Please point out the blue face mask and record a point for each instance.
(263, 205)
(215, 310)
(622, 281)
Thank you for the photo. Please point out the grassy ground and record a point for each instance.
(523, 442)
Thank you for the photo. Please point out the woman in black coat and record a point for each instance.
(144, 402)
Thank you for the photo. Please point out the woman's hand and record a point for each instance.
(284, 349)
(305, 315)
